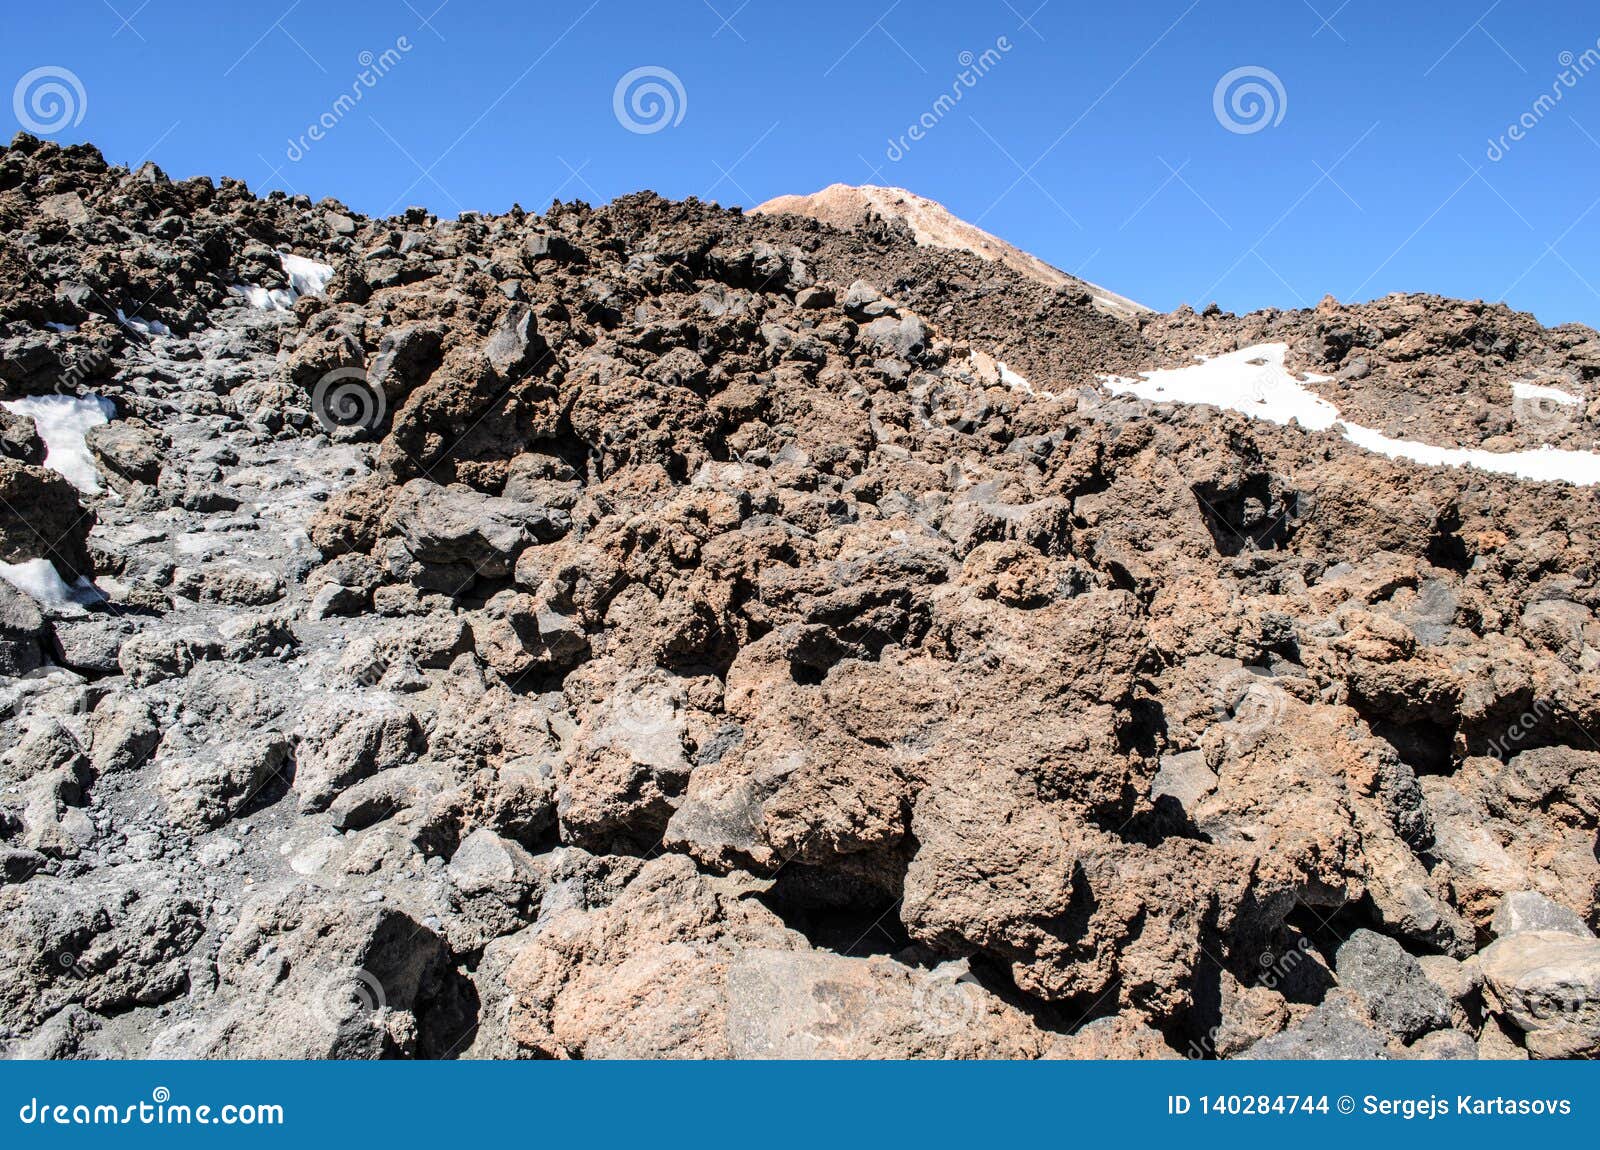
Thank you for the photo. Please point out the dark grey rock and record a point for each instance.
(405, 358)
(19, 439)
(42, 518)
(1442, 1045)
(127, 451)
(1528, 910)
(22, 632)
(207, 787)
(512, 344)
(1400, 995)
(150, 657)
(1334, 1030)
(457, 525)
(92, 645)
(904, 337)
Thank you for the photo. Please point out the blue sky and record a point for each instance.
(1093, 136)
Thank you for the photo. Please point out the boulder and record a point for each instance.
(1547, 983)
(459, 526)
(127, 452)
(19, 439)
(92, 645)
(337, 744)
(41, 518)
(309, 973)
(1529, 910)
(1337, 1029)
(1443, 1045)
(109, 942)
(22, 632)
(1400, 996)
(209, 786)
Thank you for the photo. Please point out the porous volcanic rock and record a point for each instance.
(656, 631)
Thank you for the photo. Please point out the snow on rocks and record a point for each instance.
(264, 299)
(62, 422)
(39, 580)
(143, 326)
(1537, 391)
(1254, 382)
(306, 277)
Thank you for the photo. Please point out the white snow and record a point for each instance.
(1254, 382)
(62, 421)
(1581, 468)
(1016, 381)
(306, 277)
(63, 327)
(277, 299)
(1520, 390)
(143, 326)
(38, 579)
(1013, 380)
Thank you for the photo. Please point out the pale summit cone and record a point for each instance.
(935, 226)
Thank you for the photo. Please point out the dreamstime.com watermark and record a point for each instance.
(648, 99)
(49, 99)
(1573, 68)
(1504, 747)
(1248, 99)
(159, 1110)
(1275, 971)
(974, 67)
(374, 67)
(345, 399)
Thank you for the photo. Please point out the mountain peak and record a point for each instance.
(934, 225)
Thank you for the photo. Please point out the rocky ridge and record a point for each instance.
(657, 631)
(933, 225)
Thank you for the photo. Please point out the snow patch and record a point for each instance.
(306, 277)
(62, 421)
(1254, 382)
(143, 326)
(1019, 382)
(1548, 464)
(61, 327)
(1013, 380)
(1251, 381)
(1520, 390)
(39, 580)
(277, 299)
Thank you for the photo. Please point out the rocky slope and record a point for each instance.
(654, 631)
(931, 224)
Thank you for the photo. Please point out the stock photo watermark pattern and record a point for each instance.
(346, 399)
(374, 67)
(1574, 69)
(1249, 99)
(686, 625)
(158, 1110)
(49, 99)
(649, 99)
(974, 67)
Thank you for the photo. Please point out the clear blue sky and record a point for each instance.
(1093, 141)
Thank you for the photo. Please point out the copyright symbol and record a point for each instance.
(1347, 1104)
